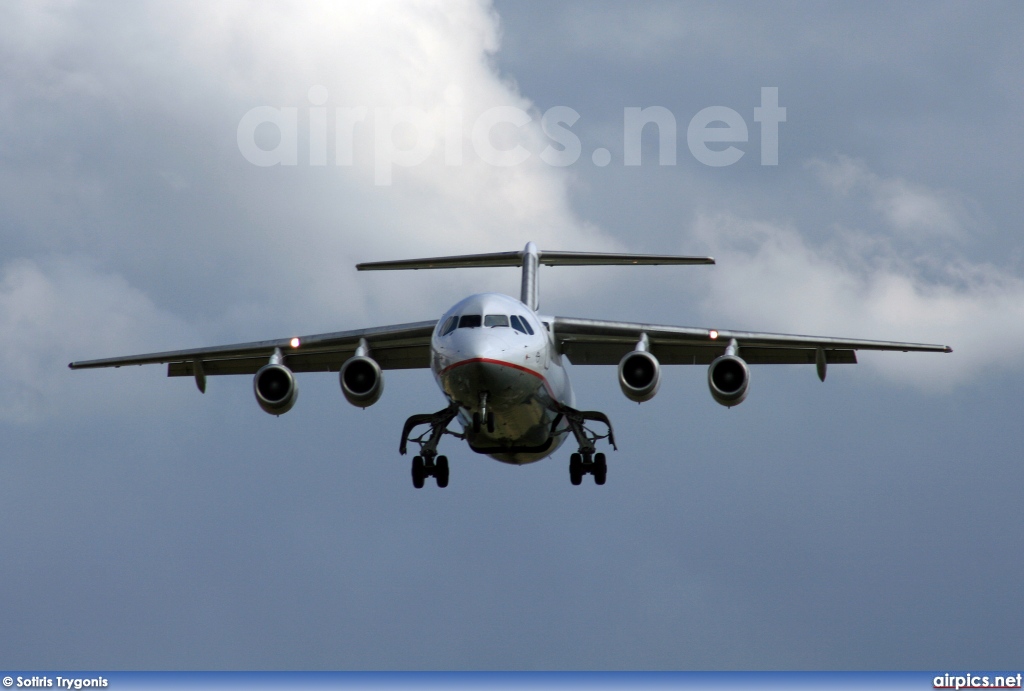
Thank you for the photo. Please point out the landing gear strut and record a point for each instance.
(483, 417)
(427, 463)
(586, 461)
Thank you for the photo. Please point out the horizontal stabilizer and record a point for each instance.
(544, 257)
(529, 258)
(604, 259)
(459, 262)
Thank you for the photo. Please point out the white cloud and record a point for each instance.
(119, 141)
(60, 310)
(912, 210)
(771, 278)
(429, 58)
(212, 65)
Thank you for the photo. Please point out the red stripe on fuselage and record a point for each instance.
(501, 363)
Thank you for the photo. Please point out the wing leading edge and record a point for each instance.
(597, 342)
(402, 346)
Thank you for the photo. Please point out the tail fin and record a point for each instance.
(530, 258)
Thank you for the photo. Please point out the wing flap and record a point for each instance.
(389, 358)
(595, 353)
(403, 346)
(594, 342)
(248, 365)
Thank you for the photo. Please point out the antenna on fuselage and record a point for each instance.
(530, 258)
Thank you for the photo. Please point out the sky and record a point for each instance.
(174, 175)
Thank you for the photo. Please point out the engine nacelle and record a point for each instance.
(639, 375)
(275, 388)
(362, 381)
(728, 378)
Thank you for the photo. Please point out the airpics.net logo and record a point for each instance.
(408, 136)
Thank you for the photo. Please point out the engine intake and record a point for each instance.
(275, 388)
(728, 378)
(639, 375)
(362, 381)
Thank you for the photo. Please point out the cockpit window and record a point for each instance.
(521, 324)
(496, 320)
(449, 326)
(469, 321)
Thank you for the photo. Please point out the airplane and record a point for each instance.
(501, 364)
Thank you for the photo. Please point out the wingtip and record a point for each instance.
(948, 349)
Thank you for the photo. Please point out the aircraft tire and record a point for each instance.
(441, 473)
(418, 472)
(600, 469)
(576, 469)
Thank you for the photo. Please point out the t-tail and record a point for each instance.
(530, 258)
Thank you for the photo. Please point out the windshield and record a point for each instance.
(449, 326)
(520, 324)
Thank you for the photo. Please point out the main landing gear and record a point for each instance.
(422, 468)
(586, 461)
(580, 464)
(427, 463)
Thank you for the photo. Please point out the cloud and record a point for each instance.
(910, 209)
(166, 120)
(60, 310)
(135, 164)
(119, 141)
(771, 277)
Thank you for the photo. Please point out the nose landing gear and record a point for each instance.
(484, 417)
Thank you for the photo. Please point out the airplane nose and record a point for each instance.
(482, 366)
(480, 343)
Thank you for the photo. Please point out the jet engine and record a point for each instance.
(639, 375)
(275, 388)
(728, 378)
(362, 381)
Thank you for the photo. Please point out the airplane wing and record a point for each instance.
(597, 342)
(402, 346)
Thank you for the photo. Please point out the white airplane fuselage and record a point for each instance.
(494, 356)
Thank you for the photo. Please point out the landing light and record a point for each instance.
(295, 343)
(713, 334)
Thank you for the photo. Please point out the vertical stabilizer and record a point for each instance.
(530, 294)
